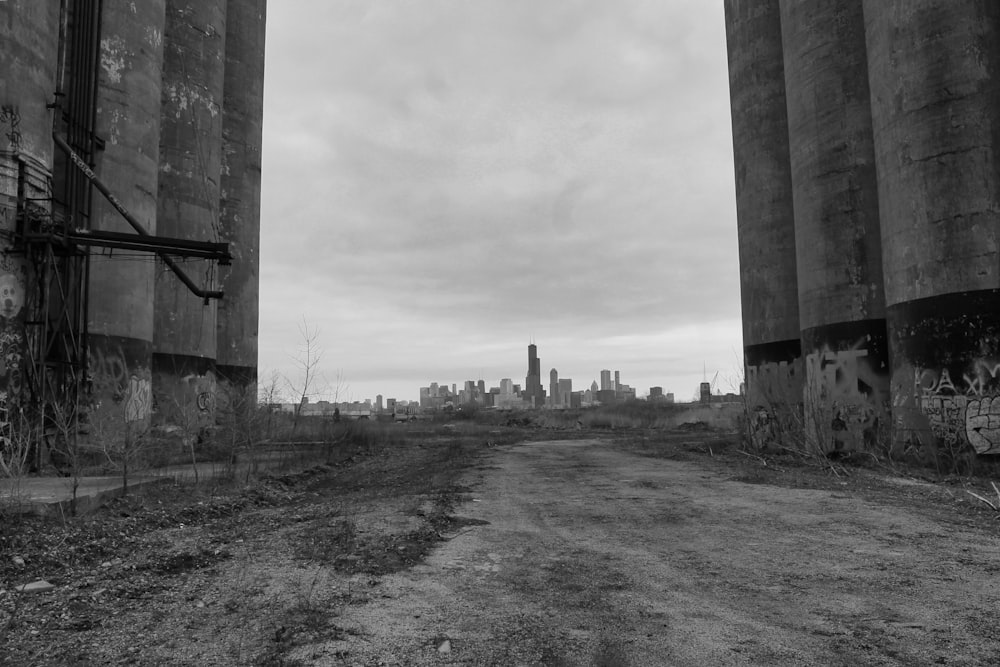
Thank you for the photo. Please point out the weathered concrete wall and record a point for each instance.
(765, 221)
(242, 119)
(29, 38)
(934, 67)
(184, 340)
(120, 308)
(838, 248)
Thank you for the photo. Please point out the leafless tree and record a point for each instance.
(307, 361)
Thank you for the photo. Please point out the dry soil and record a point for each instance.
(665, 549)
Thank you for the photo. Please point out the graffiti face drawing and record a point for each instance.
(11, 296)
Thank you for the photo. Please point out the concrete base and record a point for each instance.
(52, 496)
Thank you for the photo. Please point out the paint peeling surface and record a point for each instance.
(186, 99)
(847, 401)
(113, 58)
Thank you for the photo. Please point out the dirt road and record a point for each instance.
(590, 555)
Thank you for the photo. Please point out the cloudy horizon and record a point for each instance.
(444, 182)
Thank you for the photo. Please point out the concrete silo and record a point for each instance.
(838, 250)
(765, 220)
(242, 118)
(934, 67)
(120, 306)
(29, 48)
(184, 339)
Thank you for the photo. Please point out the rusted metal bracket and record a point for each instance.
(149, 240)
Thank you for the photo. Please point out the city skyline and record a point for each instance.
(603, 380)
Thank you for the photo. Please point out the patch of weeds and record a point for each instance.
(328, 545)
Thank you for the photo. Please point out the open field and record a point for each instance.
(483, 544)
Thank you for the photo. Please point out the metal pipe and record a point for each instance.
(136, 225)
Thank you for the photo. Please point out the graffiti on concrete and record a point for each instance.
(982, 424)
(11, 117)
(846, 398)
(138, 400)
(203, 389)
(131, 388)
(962, 410)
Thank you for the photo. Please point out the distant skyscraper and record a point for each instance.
(565, 391)
(534, 395)
(618, 383)
(554, 386)
(606, 381)
(593, 386)
(506, 386)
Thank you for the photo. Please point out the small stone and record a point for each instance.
(107, 563)
(200, 604)
(445, 646)
(17, 560)
(40, 586)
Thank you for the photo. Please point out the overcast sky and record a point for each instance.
(446, 180)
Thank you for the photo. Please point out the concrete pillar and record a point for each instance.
(837, 243)
(120, 306)
(184, 339)
(933, 66)
(242, 116)
(765, 223)
(29, 43)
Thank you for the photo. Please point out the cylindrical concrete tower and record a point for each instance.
(242, 118)
(765, 223)
(120, 317)
(184, 347)
(934, 67)
(29, 47)
(837, 244)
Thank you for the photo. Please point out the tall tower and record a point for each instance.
(120, 317)
(764, 221)
(837, 244)
(935, 77)
(184, 339)
(554, 386)
(239, 206)
(533, 382)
